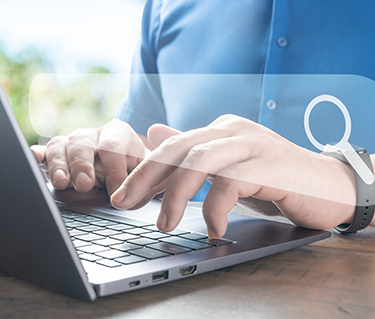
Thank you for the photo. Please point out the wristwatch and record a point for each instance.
(365, 192)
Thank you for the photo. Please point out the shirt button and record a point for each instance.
(282, 42)
(271, 104)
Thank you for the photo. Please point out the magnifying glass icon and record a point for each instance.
(343, 145)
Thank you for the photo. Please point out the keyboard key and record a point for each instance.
(66, 216)
(108, 263)
(90, 228)
(153, 228)
(107, 242)
(143, 241)
(76, 232)
(74, 224)
(178, 232)
(79, 243)
(124, 236)
(71, 214)
(89, 257)
(102, 222)
(137, 231)
(194, 236)
(107, 232)
(86, 218)
(131, 259)
(126, 247)
(112, 254)
(128, 221)
(216, 242)
(169, 248)
(89, 237)
(119, 227)
(92, 248)
(149, 253)
(155, 235)
(195, 245)
(135, 222)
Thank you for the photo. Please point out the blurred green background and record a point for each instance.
(16, 74)
(16, 77)
(66, 44)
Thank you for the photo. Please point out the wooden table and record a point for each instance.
(334, 278)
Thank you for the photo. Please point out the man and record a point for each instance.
(246, 162)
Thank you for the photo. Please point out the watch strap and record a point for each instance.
(365, 195)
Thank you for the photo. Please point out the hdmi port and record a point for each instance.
(189, 270)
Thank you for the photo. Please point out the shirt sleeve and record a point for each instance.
(143, 104)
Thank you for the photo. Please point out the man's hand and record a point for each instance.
(246, 162)
(92, 157)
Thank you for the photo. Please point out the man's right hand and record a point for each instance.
(92, 157)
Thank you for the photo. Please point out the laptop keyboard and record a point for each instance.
(115, 241)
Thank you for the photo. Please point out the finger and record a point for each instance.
(114, 143)
(208, 158)
(155, 191)
(161, 163)
(81, 150)
(227, 186)
(158, 133)
(39, 152)
(57, 162)
(220, 199)
(177, 195)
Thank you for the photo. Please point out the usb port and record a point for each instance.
(159, 276)
(189, 270)
(134, 283)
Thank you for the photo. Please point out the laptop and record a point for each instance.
(78, 245)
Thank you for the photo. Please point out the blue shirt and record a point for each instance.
(263, 60)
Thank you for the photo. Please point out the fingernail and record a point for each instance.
(59, 175)
(162, 221)
(82, 179)
(119, 195)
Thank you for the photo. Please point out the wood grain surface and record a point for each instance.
(334, 278)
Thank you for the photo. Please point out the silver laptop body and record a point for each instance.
(42, 239)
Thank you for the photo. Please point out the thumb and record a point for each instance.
(158, 133)
(39, 152)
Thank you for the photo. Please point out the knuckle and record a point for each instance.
(56, 141)
(199, 153)
(237, 121)
(225, 117)
(109, 144)
(80, 162)
(139, 174)
(173, 142)
(80, 137)
(115, 171)
(231, 124)
(118, 122)
(55, 163)
(230, 118)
